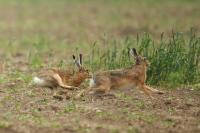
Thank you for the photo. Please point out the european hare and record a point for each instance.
(128, 77)
(63, 78)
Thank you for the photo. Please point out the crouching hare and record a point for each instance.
(127, 77)
(62, 78)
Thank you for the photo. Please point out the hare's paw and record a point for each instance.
(160, 92)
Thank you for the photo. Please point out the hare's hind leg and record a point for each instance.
(153, 90)
(61, 84)
(144, 89)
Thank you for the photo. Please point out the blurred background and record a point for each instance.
(76, 21)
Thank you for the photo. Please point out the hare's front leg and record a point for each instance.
(60, 82)
(101, 88)
(93, 89)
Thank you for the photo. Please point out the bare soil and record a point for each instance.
(129, 110)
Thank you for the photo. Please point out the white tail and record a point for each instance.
(39, 82)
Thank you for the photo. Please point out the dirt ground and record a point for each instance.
(32, 109)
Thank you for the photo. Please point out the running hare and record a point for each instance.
(128, 77)
(63, 78)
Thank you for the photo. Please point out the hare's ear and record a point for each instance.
(134, 52)
(80, 59)
(75, 61)
(74, 57)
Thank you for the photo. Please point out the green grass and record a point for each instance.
(174, 61)
(168, 122)
(70, 107)
(4, 124)
(132, 129)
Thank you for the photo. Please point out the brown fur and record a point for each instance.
(128, 77)
(65, 78)
(73, 78)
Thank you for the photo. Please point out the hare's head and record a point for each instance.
(81, 69)
(140, 60)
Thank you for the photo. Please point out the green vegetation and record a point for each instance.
(174, 61)
(70, 107)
